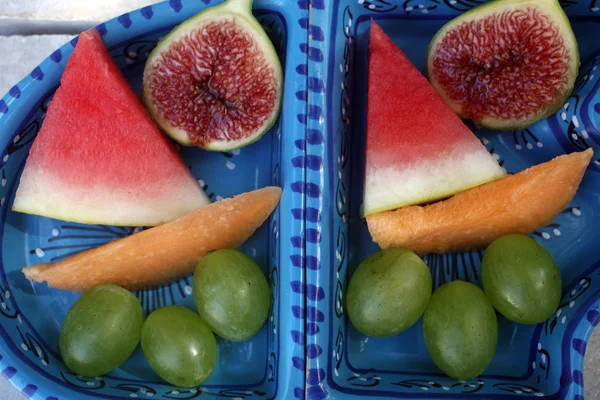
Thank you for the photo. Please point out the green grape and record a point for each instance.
(179, 346)
(521, 279)
(388, 292)
(101, 330)
(461, 330)
(232, 294)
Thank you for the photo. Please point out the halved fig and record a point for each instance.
(505, 64)
(215, 81)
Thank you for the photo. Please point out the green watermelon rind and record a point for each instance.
(553, 9)
(241, 11)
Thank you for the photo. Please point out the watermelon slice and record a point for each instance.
(418, 149)
(99, 158)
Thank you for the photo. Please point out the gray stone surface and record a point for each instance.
(20, 54)
(58, 15)
(591, 371)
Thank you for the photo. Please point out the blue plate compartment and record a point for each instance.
(31, 314)
(543, 361)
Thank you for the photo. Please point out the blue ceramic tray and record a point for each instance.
(31, 314)
(544, 360)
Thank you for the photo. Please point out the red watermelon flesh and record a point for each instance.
(418, 149)
(98, 157)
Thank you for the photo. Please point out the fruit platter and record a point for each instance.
(309, 200)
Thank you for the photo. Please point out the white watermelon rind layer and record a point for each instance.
(240, 12)
(428, 181)
(40, 193)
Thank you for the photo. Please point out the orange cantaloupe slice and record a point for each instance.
(472, 219)
(165, 252)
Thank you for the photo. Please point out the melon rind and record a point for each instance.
(163, 253)
(238, 11)
(519, 203)
(552, 9)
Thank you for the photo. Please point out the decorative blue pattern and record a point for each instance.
(28, 344)
(316, 222)
(543, 360)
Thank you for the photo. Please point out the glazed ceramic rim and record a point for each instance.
(17, 102)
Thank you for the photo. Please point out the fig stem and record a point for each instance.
(241, 5)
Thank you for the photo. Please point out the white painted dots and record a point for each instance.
(230, 165)
(575, 121)
(187, 289)
(584, 134)
(39, 252)
(55, 232)
(585, 284)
